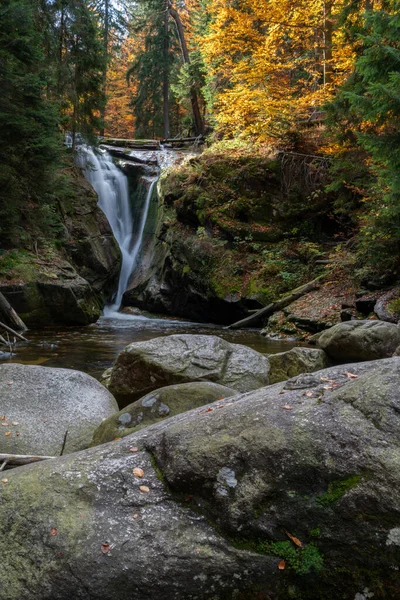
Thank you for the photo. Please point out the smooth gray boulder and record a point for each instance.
(160, 404)
(38, 405)
(289, 491)
(285, 365)
(360, 340)
(146, 366)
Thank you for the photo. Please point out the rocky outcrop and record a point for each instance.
(219, 239)
(48, 411)
(287, 491)
(285, 365)
(360, 340)
(89, 244)
(67, 283)
(146, 366)
(158, 405)
(387, 307)
(67, 299)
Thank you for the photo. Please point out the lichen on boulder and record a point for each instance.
(146, 366)
(158, 405)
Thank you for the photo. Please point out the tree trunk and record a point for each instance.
(106, 35)
(328, 33)
(9, 316)
(166, 71)
(198, 120)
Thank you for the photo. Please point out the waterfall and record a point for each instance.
(111, 186)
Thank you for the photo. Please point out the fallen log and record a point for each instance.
(187, 140)
(134, 144)
(18, 460)
(18, 335)
(254, 319)
(8, 314)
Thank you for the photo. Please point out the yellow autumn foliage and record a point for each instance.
(274, 62)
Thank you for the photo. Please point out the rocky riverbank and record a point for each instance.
(268, 491)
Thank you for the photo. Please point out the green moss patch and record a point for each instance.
(337, 489)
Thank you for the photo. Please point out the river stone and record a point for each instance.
(38, 405)
(316, 458)
(297, 360)
(160, 404)
(360, 340)
(146, 366)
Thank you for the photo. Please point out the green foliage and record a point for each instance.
(51, 75)
(28, 134)
(299, 560)
(367, 115)
(151, 64)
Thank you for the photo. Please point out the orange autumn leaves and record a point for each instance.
(274, 62)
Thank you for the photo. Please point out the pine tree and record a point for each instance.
(367, 117)
(28, 120)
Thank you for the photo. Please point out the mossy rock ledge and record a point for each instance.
(202, 506)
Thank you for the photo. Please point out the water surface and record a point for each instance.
(94, 348)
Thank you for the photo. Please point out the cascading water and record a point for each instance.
(111, 186)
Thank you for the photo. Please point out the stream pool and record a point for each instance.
(94, 348)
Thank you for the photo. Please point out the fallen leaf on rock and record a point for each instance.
(5, 424)
(3, 418)
(138, 472)
(144, 489)
(116, 439)
(105, 548)
(280, 393)
(287, 407)
(282, 565)
(188, 498)
(133, 449)
(351, 375)
(135, 516)
(7, 433)
(202, 412)
(53, 531)
(9, 382)
(15, 423)
(295, 540)
(309, 394)
(5, 480)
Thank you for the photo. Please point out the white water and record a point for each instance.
(111, 186)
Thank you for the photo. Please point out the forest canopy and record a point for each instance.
(320, 77)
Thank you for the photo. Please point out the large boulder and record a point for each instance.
(146, 366)
(160, 404)
(360, 340)
(285, 365)
(48, 411)
(290, 491)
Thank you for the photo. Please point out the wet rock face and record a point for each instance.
(146, 366)
(160, 404)
(360, 340)
(38, 405)
(163, 512)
